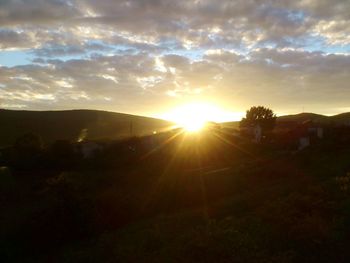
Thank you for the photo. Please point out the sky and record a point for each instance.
(147, 57)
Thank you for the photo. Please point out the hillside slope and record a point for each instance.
(70, 124)
(297, 118)
(301, 117)
(343, 118)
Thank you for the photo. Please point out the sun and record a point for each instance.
(193, 116)
(192, 124)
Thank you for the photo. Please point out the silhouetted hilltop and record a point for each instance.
(301, 117)
(343, 118)
(72, 124)
(339, 119)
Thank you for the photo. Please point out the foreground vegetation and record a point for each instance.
(208, 198)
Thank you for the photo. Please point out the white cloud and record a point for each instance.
(335, 32)
(133, 55)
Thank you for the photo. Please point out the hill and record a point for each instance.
(301, 117)
(343, 118)
(230, 125)
(72, 124)
(281, 120)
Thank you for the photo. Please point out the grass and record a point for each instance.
(267, 207)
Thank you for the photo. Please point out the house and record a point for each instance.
(307, 133)
(304, 142)
(298, 136)
(254, 132)
(318, 131)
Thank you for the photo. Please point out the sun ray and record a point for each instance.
(234, 145)
(202, 185)
(162, 145)
(160, 180)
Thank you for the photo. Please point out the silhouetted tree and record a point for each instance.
(263, 116)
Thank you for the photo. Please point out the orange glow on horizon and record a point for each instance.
(194, 116)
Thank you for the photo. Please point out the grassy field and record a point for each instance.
(198, 198)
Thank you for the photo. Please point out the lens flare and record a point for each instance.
(194, 116)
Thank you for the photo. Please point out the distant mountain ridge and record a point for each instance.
(301, 117)
(342, 118)
(70, 124)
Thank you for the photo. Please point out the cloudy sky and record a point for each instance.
(148, 56)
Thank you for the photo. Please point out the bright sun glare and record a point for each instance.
(194, 116)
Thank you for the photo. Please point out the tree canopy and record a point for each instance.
(259, 115)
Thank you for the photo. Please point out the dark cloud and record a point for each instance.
(192, 23)
(19, 12)
(10, 39)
